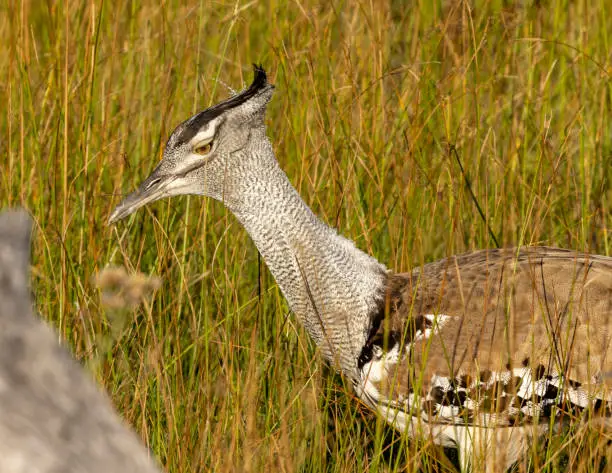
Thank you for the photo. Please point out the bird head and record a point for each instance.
(200, 150)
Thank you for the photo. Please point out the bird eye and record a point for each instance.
(203, 150)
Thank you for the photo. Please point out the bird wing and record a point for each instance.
(496, 336)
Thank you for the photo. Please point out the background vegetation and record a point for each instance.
(371, 98)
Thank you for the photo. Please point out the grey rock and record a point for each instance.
(53, 418)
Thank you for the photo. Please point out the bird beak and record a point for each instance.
(153, 188)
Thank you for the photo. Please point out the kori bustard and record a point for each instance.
(481, 351)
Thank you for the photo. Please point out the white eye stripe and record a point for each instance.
(201, 144)
(205, 136)
(196, 143)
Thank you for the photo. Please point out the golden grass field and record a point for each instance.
(372, 100)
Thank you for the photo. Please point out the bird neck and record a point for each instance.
(331, 285)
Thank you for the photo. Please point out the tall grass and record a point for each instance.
(371, 99)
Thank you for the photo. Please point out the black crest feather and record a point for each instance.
(260, 83)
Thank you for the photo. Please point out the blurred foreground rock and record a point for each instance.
(53, 418)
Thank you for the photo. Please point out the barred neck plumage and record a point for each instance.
(223, 152)
(332, 286)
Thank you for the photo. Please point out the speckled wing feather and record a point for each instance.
(502, 337)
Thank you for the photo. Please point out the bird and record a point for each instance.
(481, 351)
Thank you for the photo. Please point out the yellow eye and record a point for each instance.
(203, 150)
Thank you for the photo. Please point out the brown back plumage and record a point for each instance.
(492, 315)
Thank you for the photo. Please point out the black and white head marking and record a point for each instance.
(196, 153)
(189, 129)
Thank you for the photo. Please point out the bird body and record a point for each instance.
(494, 339)
(476, 351)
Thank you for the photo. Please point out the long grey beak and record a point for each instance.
(153, 188)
